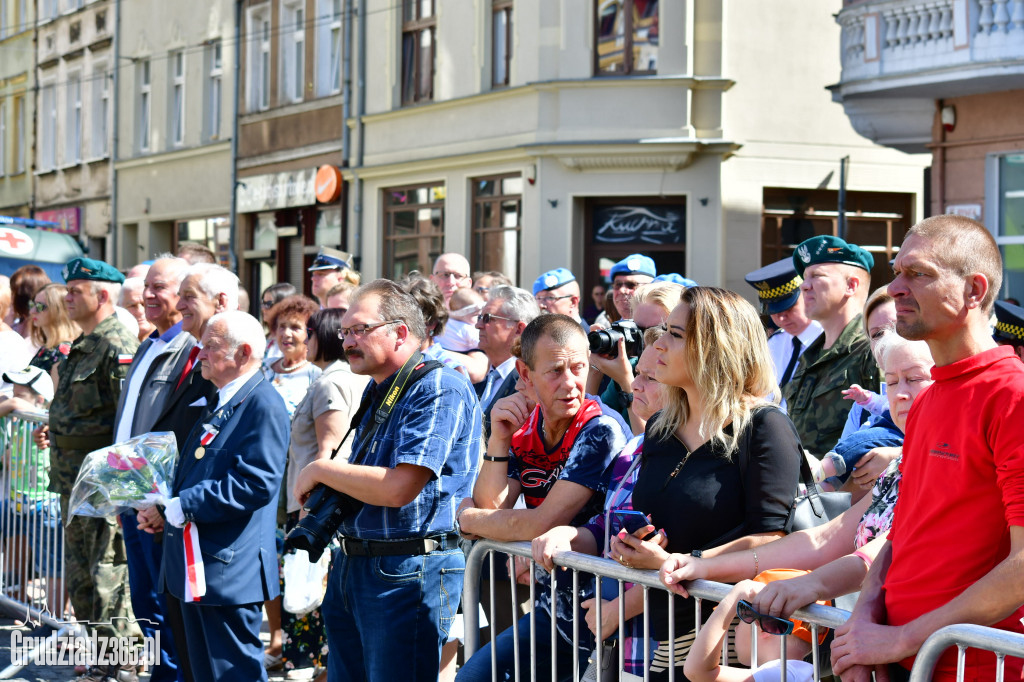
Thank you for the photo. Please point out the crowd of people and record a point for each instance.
(662, 424)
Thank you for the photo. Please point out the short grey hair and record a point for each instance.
(891, 342)
(130, 285)
(517, 303)
(178, 266)
(239, 328)
(214, 280)
(394, 303)
(113, 290)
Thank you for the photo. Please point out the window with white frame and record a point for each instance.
(3, 21)
(176, 117)
(214, 86)
(328, 48)
(293, 51)
(1005, 216)
(73, 120)
(19, 134)
(501, 42)
(144, 106)
(3, 138)
(100, 111)
(258, 59)
(48, 128)
(47, 10)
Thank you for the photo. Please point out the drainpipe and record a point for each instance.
(357, 253)
(115, 141)
(235, 89)
(346, 85)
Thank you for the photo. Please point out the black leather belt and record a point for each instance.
(357, 547)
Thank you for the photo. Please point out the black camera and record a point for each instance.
(606, 341)
(325, 509)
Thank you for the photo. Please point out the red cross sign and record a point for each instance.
(15, 242)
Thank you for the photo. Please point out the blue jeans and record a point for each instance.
(388, 616)
(478, 668)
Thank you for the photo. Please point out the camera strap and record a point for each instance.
(412, 371)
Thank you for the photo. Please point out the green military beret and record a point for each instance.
(828, 249)
(93, 270)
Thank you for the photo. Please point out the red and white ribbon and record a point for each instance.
(195, 572)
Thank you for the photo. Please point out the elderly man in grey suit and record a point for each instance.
(158, 364)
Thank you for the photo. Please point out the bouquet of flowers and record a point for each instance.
(135, 474)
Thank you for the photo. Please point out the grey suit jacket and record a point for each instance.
(158, 384)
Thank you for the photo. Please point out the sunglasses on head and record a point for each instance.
(768, 624)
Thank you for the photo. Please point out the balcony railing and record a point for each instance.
(891, 45)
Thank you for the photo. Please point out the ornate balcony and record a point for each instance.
(899, 56)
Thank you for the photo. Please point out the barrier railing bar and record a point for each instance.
(972, 636)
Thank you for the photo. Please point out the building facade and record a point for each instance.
(946, 77)
(17, 106)
(174, 165)
(74, 118)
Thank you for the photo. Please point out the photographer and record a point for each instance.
(395, 582)
(651, 304)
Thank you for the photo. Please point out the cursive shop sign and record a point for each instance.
(276, 190)
(640, 224)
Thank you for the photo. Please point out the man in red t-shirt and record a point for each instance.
(957, 542)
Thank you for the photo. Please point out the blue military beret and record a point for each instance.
(331, 259)
(828, 249)
(676, 278)
(636, 264)
(92, 270)
(552, 279)
(1009, 322)
(778, 286)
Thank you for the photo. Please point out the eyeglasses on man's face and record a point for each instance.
(548, 300)
(361, 330)
(486, 318)
(448, 274)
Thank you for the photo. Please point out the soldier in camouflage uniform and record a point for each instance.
(836, 284)
(82, 420)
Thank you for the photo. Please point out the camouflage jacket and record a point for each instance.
(814, 394)
(84, 404)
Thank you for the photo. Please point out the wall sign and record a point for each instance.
(276, 190)
(659, 224)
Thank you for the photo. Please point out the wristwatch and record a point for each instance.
(697, 554)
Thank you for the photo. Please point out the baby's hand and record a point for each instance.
(857, 394)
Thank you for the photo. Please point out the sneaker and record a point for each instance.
(114, 673)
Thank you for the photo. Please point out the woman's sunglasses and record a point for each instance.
(769, 624)
(37, 307)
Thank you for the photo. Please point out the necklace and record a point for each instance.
(289, 370)
(678, 468)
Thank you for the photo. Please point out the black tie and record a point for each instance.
(788, 374)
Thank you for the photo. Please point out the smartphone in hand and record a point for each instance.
(633, 521)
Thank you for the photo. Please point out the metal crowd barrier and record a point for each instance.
(32, 586)
(964, 636)
(814, 615)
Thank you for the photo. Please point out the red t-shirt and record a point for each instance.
(962, 488)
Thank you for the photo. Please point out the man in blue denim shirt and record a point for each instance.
(396, 582)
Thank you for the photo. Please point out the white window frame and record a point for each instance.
(19, 134)
(3, 22)
(214, 89)
(328, 47)
(144, 105)
(48, 10)
(992, 216)
(292, 71)
(73, 119)
(48, 127)
(258, 59)
(3, 138)
(176, 98)
(100, 112)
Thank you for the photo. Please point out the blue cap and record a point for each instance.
(828, 249)
(331, 259)
(552, 279)
(636, 264)
(778, 286)
(92, 270)
(676, 278)
(1009, 322)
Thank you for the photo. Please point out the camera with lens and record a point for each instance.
(606, 341)
(325, 509)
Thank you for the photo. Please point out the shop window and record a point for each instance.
(501, 42)
(497, 224)
(214, 233)
(419, 30)
(328, 227)
(413, 228)
(617, 227)
(1005, 192)
(626, 37)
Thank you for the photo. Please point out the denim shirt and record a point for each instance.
(436, 424)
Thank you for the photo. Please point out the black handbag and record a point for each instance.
(814, 508)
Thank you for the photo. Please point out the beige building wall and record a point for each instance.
(782, 56)
(173, 180)
(17, 107)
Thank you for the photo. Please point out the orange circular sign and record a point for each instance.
(328, 184)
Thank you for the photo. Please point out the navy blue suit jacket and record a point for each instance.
(231, 495)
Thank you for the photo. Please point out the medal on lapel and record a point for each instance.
(209, 433)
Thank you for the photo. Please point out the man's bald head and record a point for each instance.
(451, 272)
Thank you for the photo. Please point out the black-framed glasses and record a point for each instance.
(769, 624)
(548, 300)
(36, 307)
(361, 330)
(487, 317)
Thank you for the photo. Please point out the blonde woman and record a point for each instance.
(52, 329)
(721, 463)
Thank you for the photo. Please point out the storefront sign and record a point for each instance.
(328, 184)
(972, 211)
(639, 224)
(276, 190)
(69, 219)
